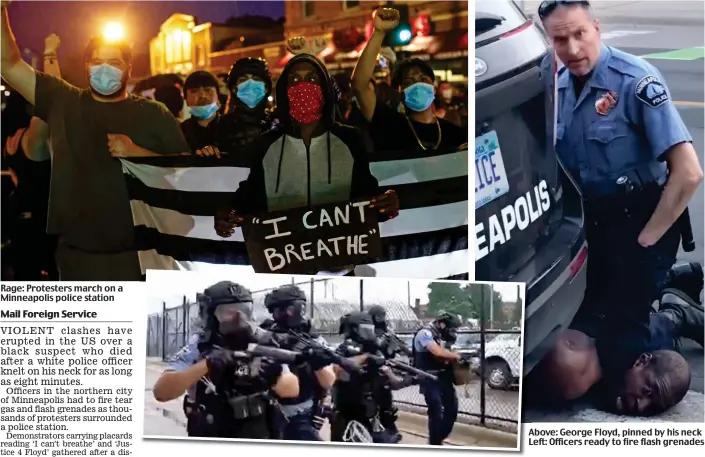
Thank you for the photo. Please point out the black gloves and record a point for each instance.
(270, 371)
(221, 363)
(317, 358)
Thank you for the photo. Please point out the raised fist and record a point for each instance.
(51, 43)
(298, 45)
(385, 19)
(317, 45)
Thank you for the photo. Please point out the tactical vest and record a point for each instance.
(244, 409)
(358, 396)
(424, 360)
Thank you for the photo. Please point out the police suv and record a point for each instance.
(529, 223)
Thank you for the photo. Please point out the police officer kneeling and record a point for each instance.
(227, 389)
(303, 414)
(621, 137)
(430, 355)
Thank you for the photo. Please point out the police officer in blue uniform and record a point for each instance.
(621, 138)
(305, 414)
(228, 391)
(429, 354)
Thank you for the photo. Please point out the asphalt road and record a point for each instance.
(685, 79)
(498, 404)
(167, 419)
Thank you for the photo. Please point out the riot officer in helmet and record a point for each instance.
(228, 390)
(430, 354)
(304, 414)
(250, 84)
(356, 397)
(388, 345)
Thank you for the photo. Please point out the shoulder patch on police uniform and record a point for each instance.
(651, 91)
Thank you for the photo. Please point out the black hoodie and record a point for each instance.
(285, 174)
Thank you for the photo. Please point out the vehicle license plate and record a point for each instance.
(490, 176)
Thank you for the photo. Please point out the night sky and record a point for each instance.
(75, 22)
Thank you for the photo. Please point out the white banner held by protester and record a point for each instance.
(174, 199)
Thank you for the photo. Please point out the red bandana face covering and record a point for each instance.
(305, 102)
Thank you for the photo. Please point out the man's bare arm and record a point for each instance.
(435, 349)
(685, 174)
(35, 142)
(18, 73)
(385, 19)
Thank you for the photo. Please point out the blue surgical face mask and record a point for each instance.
(418, 97)
(251, 92)
(205, 111)
(106, 79)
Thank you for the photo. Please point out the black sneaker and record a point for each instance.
(687, 277)
(685, 313)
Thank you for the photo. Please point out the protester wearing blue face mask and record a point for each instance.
(201, 95)
(417, 129)
(89, 207)
(250, 83)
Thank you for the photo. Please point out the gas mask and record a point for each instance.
(293, 316)
(235, 325)
(450, 335)
(366, 333)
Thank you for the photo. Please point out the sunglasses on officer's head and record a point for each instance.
(549, 6)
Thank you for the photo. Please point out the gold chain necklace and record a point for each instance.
(418, 140)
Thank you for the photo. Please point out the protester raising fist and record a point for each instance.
(51, 44)
(385, 19)
(298, 45)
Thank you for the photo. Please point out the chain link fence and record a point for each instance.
(490, 399)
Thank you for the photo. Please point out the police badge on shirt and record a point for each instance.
(651, 91)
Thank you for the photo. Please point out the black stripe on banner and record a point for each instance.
(430, 193)
(416, 195)
(462, 277)
(184, 202)
(235, 253)
(241, 160)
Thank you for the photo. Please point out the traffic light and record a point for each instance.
(402, 34)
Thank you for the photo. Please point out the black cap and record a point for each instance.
(250, 66)
(201, 78)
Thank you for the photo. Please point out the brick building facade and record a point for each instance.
(183, 46)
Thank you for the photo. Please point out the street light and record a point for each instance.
(113, 31)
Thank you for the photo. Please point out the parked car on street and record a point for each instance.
(502, 363)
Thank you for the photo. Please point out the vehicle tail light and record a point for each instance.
(578, 262)
(519, 29)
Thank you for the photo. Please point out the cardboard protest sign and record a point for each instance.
(313, 239)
